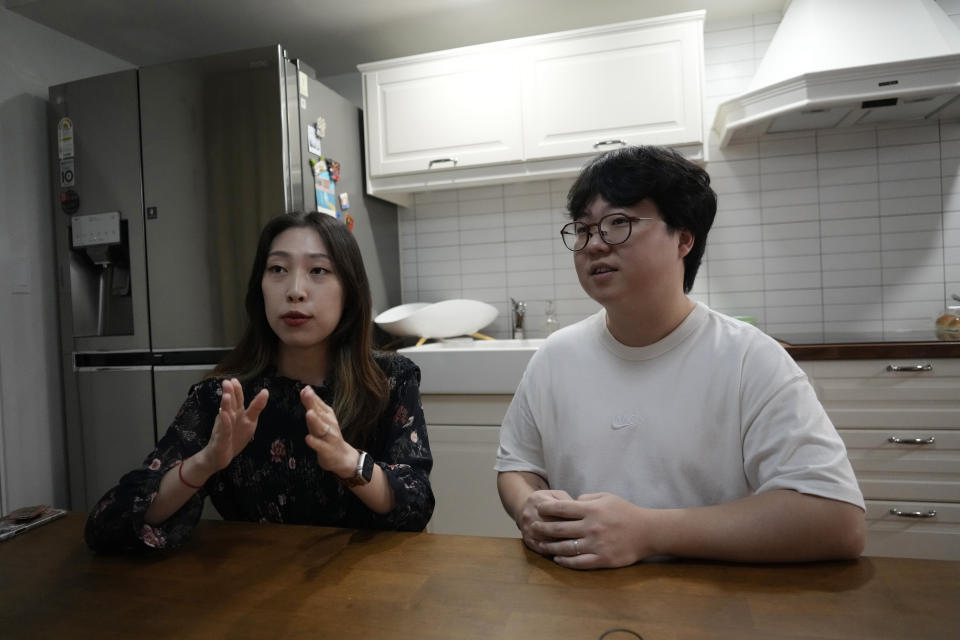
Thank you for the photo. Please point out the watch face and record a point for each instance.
(367, 471)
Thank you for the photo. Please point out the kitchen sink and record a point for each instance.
(472, 366)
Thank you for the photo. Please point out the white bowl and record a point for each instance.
(396, 320)
(445, 319)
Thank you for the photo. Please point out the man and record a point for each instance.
(658, 427)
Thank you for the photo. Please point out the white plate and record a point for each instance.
(446, 319)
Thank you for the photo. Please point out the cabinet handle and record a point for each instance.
(897, 440)
(901, 368)
(607, 143)
(439, 160)
(931, 513)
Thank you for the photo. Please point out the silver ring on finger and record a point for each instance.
(576, 547)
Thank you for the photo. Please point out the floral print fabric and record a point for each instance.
(276, 478)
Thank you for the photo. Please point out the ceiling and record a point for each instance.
(334, 37)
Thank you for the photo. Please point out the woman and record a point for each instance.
(333, 433)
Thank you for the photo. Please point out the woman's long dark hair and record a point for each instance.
(360, 388)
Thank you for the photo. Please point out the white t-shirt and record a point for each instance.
(715, 411)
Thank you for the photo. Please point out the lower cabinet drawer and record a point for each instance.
(903, 529)
(905, 464)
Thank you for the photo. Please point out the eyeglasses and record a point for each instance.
(613, 229)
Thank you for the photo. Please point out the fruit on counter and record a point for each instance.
(947, 326)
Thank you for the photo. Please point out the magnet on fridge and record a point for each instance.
(321, 127)
(348, 220)
(69, 201)
(303, 84)
(326, 194)
(313, 140)
(344, 201)
(318, 166)
(65, 138)
(68, 173)
(334, 169)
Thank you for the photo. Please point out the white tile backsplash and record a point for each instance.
(791, 264)
(825, 231)
(849, 227)
(896, 154)
(853, 157)
(851, 277)
(858, 258)
(847, 192)
(900, 135)
(907, 170)
(920, 204)
(847, 175)
(848, 210)
(851, 295)
(784, 197)
(950, 148)
(798, 280)
(848, 245)
(893, 189)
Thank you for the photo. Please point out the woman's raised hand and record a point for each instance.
(234, 427)
(333, 452)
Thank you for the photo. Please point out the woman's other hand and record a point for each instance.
(234, 426)
(333, 452)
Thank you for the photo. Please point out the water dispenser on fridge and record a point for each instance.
(100, 275)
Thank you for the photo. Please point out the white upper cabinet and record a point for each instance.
(629, 86)
(532, 108)
(442, 114)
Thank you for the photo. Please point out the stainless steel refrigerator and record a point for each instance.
(163, 177)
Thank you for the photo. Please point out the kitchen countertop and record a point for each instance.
(496, 366)
(867, 345)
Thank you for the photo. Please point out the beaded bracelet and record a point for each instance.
(183, 480)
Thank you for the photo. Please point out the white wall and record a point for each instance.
(32, 449)
(816, 232)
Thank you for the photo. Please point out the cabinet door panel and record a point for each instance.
(442, 114)
(638, 87)
(465, 484)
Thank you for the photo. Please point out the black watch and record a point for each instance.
(363, 473)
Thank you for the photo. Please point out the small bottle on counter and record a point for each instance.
(550, 323)
(947, 326)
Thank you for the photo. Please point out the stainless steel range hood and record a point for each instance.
(838, 63)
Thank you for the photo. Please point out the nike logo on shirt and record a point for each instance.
(625, 420)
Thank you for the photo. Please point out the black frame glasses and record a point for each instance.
(576, 235)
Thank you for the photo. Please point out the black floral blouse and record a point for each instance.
(276, 478)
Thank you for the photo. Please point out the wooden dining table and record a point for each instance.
(245, 580)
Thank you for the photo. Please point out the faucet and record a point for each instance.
(519, 310)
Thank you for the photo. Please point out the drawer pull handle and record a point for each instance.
(607, 143)
(931, 513)
(896, 440)
(901, 368)
(439, 160)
